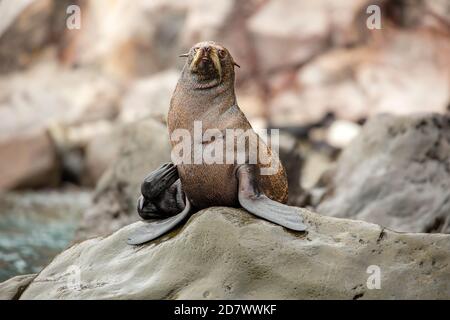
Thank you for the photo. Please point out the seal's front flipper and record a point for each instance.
(159, 180)
(260, 205)
(154, 229)
(162, 194)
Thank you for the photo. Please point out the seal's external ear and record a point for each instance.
(236, 64)
(184, 55)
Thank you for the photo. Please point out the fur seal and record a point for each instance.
(205, 94)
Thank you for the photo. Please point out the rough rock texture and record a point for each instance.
(142, 147)
(395, 173)
(12, 289)
(226, 253)
(35, 160)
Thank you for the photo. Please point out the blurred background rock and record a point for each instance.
(82, 111)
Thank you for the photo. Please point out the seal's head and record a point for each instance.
(209, 64)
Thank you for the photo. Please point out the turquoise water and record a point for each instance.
(35, 227)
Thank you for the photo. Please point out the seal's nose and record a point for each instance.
(205, 51)
(205, 57)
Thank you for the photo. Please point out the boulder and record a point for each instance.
(28, 161)
(12, 289)
(100, 153)
(226, 253)
(347, 81)
(127, 40)
(73, 105)
(288, 33)
(149, 97)
(395, 173)
(24, 30)
(426, 13)
(141, 148)
(48, 94)
(145, 98)
(27, 28)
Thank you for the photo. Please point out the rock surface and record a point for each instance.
(141, 147)
(395, 173)
(149, 97)
(49, 94)
(72, 105)
(12, 289)
(225, 253)
(146, 40)
(367, 80)
(35, 162)
(27, 27)
(276, 29)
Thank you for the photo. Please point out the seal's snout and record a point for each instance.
(205, 55)
(202, 56)
(206, 61)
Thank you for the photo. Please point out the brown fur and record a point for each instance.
(209, 97)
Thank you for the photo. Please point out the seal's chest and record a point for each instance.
(209, 185)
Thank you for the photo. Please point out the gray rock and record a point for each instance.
(35, 162)
(141, 147)
(149, 97)
(27, 28)
(73, 105)
(349, 82)
(146, 98)
(147, 41)
(298, 30)
(100, 154)
(225, 253)
(395, 173)
(12, 289)
(48, 94)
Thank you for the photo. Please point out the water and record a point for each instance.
(35, 227)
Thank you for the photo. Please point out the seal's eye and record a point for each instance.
(222, 54)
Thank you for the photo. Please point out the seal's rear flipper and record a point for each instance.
(260, 205)
(155, 229)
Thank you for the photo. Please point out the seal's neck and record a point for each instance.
(197, 96)
(207, 81)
